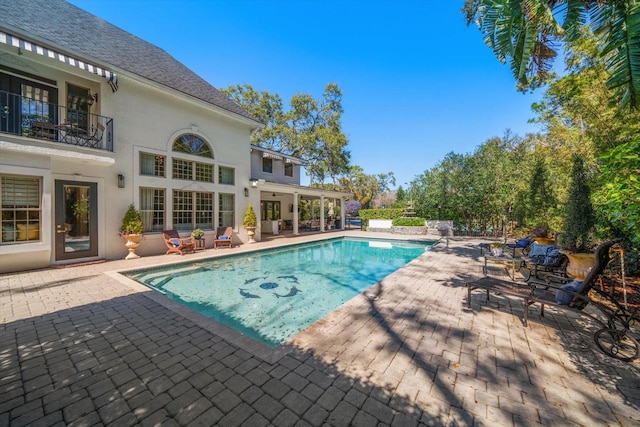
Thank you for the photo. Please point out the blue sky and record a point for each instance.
(417, 82)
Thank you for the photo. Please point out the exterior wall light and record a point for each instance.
(120, 180)
(246, 192)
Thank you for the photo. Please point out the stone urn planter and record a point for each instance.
(579, 264)
(131, 229)
(250, 222)
(544, 240)
(251, 231)
(133, 241)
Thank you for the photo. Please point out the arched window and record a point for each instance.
(192, 144)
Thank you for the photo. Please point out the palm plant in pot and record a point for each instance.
(576, 237)
(250, 222)
(131, 229)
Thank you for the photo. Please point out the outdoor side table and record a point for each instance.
(505, 259)
(200, 244)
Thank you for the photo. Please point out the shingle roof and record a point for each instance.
(92, 38)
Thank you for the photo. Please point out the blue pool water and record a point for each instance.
(272, 295)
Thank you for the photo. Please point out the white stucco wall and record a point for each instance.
(145, 118)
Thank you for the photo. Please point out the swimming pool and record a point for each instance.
(272, 295)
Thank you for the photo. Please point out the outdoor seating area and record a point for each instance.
(613, 337)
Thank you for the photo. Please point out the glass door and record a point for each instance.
(76, 214)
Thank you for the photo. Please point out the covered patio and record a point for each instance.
(296, 209)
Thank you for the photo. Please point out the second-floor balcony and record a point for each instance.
(37, 119)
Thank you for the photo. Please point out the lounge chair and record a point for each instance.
(223, 237)
(176, 244)
(543, 292)
(543, 260)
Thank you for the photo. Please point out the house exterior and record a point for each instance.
(287, 206)
(93, 119)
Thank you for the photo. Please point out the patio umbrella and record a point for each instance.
(330, 213)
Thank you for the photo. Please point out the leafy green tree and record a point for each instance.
(526, 32)
(577, 111)
(579, 220)
(365, 187)
(401, 195)
(617, 200)
(265, 107)
(311, 129)
(541, 199)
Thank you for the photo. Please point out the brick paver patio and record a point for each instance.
(82, 347)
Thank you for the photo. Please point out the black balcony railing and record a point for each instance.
(39, 119)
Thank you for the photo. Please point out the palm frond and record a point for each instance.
(618, 24)
(575, 16)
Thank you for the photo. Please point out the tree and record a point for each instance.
(579, 220)
(525, 33)
(265, 107)
(617, 200)
(541, 199)
(401, 194)
(365, 187)
(311, 129)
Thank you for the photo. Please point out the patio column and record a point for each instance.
(322, 214)
(295, 214)
(342, 215)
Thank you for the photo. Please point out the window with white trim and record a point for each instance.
(152, 164)
(226, 175)
(20, 204)
(192, 171)
(152, 205)
(192, 144)
(192, 209)
(226, 210)
(267, 165)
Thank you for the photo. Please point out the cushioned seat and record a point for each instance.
(176, 244)
(224, 236)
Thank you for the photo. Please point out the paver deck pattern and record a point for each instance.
(81, 348)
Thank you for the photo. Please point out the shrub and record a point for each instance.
(250, 219)
(352, 207)
(408, 222)
(380, 213)
(131, 222)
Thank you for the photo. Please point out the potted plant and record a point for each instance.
(197, 233)
(576, 237)
(131, 229)
(250, 222)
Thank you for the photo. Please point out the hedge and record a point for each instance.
(385, 213)
(408, 222)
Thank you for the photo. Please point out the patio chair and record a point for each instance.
(95, 136)
(223, 237)
(543, 260)
(176, 244)
(546, 293)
